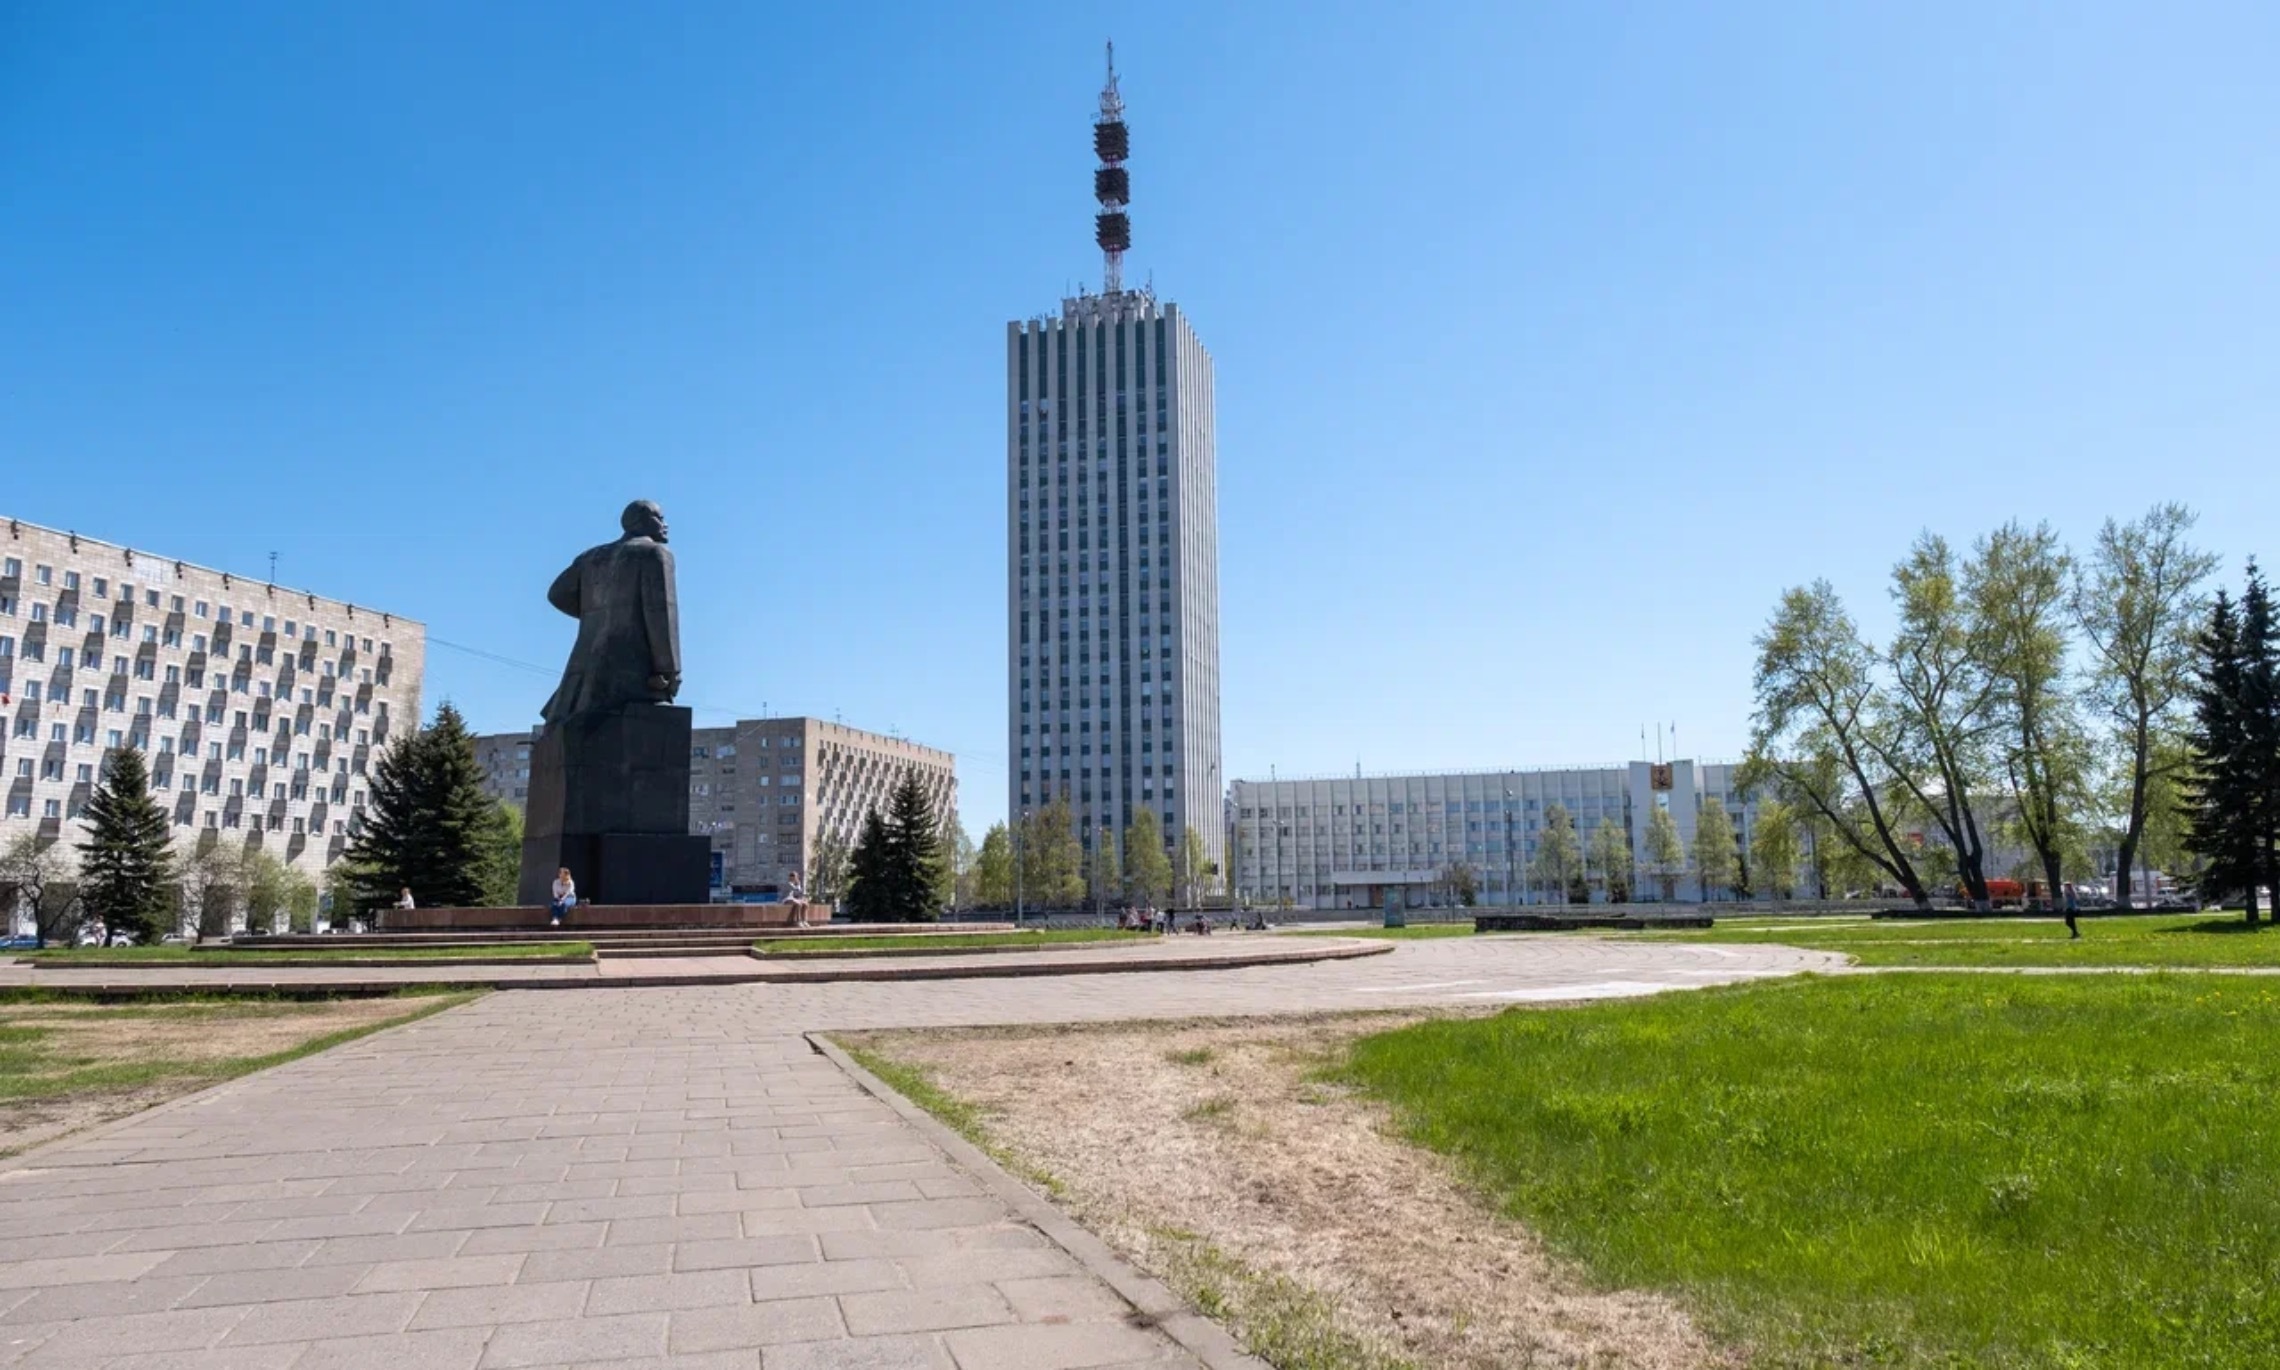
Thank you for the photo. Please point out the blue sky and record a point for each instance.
(1552, 342)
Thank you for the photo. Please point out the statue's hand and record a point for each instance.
(665, 685)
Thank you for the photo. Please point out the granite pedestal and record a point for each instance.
(609, 798)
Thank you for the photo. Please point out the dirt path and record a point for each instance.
(1208, 1154)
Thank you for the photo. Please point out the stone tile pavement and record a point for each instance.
(636, 1178)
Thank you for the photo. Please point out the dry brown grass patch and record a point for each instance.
(1212, 1155)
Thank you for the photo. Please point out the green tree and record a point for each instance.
(1774, 850)
(212, 880)
(1933, 736)
(958, 867)
(1666, 855)
(125, 865)
(301, 902)
(1104, 874)
(896, 873)
(1148, 868)
(1714, 854)
(1191, 872)
(2228, 793)
(1559, 857)
(993, 869)
(2017, 583)
(1812, 741)
(1052, 860)
(425, 827)
(33, 868)
(502, 855)
(1463, 884)
(2139, 602)
(267, 884)
(1610, 860)
(870, 895)
(829, 866)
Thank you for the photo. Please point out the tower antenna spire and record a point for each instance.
(1112, 185)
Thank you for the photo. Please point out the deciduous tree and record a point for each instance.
(37, 870)
(993, 869)
(1714, 854)
(2017, 584)
(1933, 737)
(2138, 600)
(1810, 741)
(1147, 868)
(1666, 855)
(1053, 861)
(1610, 859)
(1774, 850)
(1559, 857)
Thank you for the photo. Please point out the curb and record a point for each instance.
(1162, 1309)
(824, 975)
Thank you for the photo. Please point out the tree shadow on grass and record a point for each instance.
(2218, 925)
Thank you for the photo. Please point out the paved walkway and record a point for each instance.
(1185, 953)
(661, 1177)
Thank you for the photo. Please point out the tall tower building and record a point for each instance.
(1112, 548)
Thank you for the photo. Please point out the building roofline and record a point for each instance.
(17, 525)
(1423, 774)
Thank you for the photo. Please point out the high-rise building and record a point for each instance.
(1112, 548)
(260, 709)
(768, 791)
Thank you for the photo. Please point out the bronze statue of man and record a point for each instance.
(629, 622)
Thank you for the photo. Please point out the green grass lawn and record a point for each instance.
(944, 941)
(1907, 1170)
(209, 956)
(2182, 940)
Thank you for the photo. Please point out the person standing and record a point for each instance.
(2072, 931)
(565, 895)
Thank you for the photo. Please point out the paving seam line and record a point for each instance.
(23, 1160)
(1196, 1334)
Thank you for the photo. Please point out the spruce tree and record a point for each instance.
(870, 879)
(125, 864)
(2260, 727)
(2219, 791)
(427, 821)
(914, 850)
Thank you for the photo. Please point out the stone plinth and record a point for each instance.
(609, 798)
(607, 918)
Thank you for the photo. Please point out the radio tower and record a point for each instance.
(1112, 185)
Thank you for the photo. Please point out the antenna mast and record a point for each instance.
(1112, 185)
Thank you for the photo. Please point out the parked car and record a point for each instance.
(174, 939)
(19, 943)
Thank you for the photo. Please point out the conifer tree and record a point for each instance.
(2260, 726)
(125, 864)
(869, 896)
(2222, 791)
(428, 821)
(914, 848)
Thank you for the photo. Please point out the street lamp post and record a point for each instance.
(1018, 828)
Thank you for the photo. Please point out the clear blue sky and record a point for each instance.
(1552, 341)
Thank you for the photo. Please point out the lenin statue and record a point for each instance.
(609, 778)
(629, 621)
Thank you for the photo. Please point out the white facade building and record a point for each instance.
(1347, 842)
(260, 709)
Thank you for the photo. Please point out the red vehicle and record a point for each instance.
(2003, 894)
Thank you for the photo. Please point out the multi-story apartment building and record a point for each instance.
(1112, 550)
(261, 708)
(768, 791)
(1348, 841)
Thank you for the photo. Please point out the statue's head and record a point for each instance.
(643, 519)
